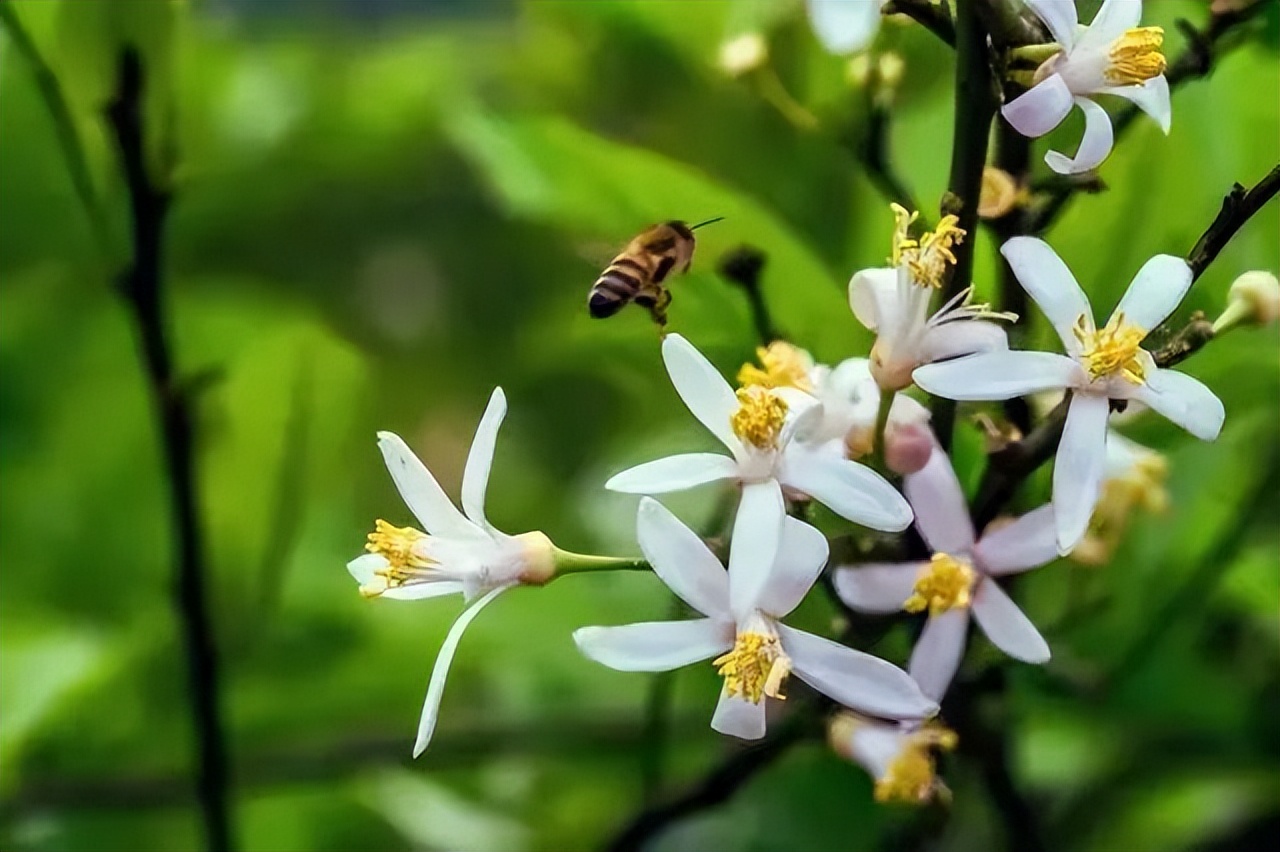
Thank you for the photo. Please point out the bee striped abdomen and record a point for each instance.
(616, 287)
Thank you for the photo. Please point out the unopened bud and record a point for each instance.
(743, 54)
(891, 68)
(999, 193)
(1254, 299)
(907, 448)
(858, 71)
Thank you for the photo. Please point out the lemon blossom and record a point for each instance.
(958, 579)
(845, 26)
(1112, 56)
(757, 424)
(753, 651)
(459, 552)
(894, 303)
(1101, 364)
(899, 757)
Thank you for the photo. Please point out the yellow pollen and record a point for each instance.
(755, 667)
(1112, 350)
(927, 258)
(782, 366)
(912, 775)
(759, 418)
(945, 584)
(1135, 57)
(396, 545)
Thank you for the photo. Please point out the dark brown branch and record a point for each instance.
(874, 154)
(1237, 208)
(140, 287)
(743, 266)
(934, 17)
(1195, 61)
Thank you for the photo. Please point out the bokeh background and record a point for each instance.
(385, 209)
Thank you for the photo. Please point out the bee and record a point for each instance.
(640, 272)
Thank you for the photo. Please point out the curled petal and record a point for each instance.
(1041, 108)
(1151, 96)
(962, 337)
(1077, 472)
(475, 477)
(938, 651)
(880, 587)
(1060, 17)
(655, 646)
(673, 473)
(873, 296)
(1006, 626)
(1113, 18)
(1095, 145)
(682, 560)
(1185, 401)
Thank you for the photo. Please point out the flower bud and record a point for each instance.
(891, 68)
(999, 193)
(907, 448)
(744, 54)
(858, 71)
(1254, 299)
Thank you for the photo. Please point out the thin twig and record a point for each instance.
(743, 266)
(1237, 208)
(934, 17)
(140, 287)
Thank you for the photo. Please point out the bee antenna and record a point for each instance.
(707, 222)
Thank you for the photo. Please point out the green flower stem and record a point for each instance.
(882, 423)
(582, 563)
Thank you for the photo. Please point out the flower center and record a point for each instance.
(912, 776)
(759, 417)
(396, 545)
(944, 584)
(1135, 57)
(927, 258)
(781, 366)
(755, 667)
(1112, 350)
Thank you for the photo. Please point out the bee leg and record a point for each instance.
(659, 310)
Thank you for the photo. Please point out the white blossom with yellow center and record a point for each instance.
(1112, 56)
(741, 631)
(758, 425)
(899, 757)
(460, 552)
(894, 303)
(1101, 365)
(959, 579)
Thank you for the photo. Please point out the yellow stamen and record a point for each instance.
(945, 584)
(755, 667)
(760, 417)
(912, 775)
(1112, 350)
(926, 259)
(784, 366)
(397, 546)
(1135, 57)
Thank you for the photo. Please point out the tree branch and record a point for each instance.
(1237, 208)
(934, 17)
(140, 287)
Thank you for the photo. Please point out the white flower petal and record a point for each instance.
(1050, 283)
(942, 513)
(655, 646)
(682, 560)
(1156, 291)
(757, 531)
(873, 296)
(1095, 145)
(999, 375)
(738, 717)
(435, 690)
(880, 587)
(1006, 626)
(938, 651)
(1077, 472)
(424, 591)
(475, 478)
(703, 390)
(1041, 108)
(802, 552)
(362, 568)
(853, 678)
(673, 473)
(842, 26)
(1113, 18)
(1060, 17)
(1185, 401)
(421, 493)
(962, 337)
(1152, 97)
(1028, 542)
(875, 746)
(851, 490)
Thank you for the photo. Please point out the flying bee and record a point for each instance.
(640, 272)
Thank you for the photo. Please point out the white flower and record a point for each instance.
(894, 303)
(757, 425)
(1133, 478)
(459, 552)
(959, 578)
(845, 26)
(1102, 364)
(850, 401)
(752, 650)
(899, 757)
(1112, 56)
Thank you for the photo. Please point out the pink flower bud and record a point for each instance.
(908, 447)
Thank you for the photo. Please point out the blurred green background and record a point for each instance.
(383, 210)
